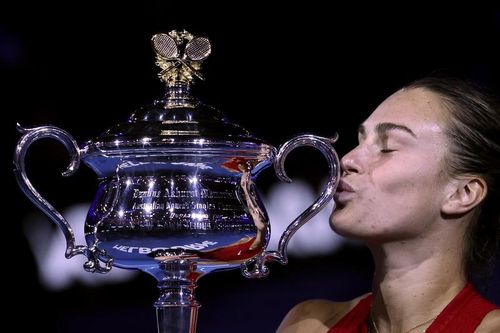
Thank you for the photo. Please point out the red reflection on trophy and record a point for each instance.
(239, 164)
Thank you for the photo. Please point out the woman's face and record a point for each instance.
(395, 181)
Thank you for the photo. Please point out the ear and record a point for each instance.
(465, 194)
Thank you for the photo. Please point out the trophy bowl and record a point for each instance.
(176, 195)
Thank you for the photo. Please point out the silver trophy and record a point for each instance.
(176, 197)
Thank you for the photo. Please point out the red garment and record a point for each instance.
(355, 320)
(462, 315)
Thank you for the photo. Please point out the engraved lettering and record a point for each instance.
(148, 206)
(195, 246)
(147, 250)
(199, 205)
(132, 248)
(144, 250)
(138, 194)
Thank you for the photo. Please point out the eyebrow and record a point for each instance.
(383, 128)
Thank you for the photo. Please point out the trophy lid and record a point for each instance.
(178, 122)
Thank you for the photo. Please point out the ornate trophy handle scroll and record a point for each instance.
(256, 267)
(29, 136)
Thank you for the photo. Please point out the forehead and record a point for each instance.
(417, 108)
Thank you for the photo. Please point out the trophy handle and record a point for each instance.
(324, 145)
(29, 136)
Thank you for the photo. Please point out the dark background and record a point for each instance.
(275, 71)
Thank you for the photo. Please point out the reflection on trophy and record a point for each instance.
(176, 195)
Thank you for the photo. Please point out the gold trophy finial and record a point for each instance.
(179, 54)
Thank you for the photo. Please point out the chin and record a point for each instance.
(338, 223)
(342, 223)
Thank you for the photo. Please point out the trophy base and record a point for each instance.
(177, 319)
(177, 308)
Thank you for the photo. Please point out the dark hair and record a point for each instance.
(473, 129)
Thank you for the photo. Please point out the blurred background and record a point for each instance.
(276, 70)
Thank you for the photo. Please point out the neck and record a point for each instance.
(414, 282)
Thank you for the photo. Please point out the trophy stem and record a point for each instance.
(177, 308)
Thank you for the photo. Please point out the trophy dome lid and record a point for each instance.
(168, 124)
(177, 124)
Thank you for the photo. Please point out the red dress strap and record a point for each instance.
(355, 320)
(463, 314)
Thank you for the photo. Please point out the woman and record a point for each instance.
(421, 190)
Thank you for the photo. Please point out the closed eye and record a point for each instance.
(386, 151)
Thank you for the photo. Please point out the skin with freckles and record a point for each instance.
(397, 196)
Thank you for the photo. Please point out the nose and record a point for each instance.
(350, 163)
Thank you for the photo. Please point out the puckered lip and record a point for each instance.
(344, 194)
(344, 187)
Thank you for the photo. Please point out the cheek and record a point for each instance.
(407, 175)
(407, 190)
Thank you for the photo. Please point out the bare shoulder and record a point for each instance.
(490, 323)
(315, 316)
